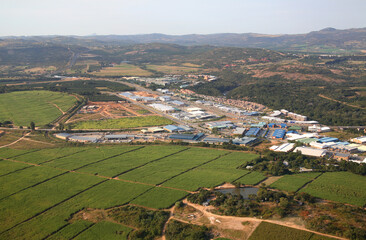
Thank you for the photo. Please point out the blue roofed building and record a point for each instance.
(328, 139)
(252, 132)
(173, 128)
(279, 134)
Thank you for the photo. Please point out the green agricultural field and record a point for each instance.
(277, 232)
(88, 157)
(71, 230)
(114, 167)
(292, 183)
(105, 231)
(166, 168)
(223, 169)
(154, 199)
(122, 123)
(252, 178)
(45, 155)
(122, 70)
(25, 178)
(7, 167)
(342, 187)
(41, 107)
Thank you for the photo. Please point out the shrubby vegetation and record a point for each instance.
(149, 222)
(182, 231)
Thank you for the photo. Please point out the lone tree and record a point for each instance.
(32, 126)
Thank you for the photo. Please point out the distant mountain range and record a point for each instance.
(328, 40)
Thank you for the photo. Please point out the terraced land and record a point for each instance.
(342, 187)
(42, 188)
(292, 183)
(41, 107)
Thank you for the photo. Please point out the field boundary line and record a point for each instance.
(155, 160)
(241, 176)
(83, 150)
(25, 153)
(55, 205)
(104, 159)
(56, 231)
(15, 170)
(46, 180)
(310, 181)
(200, 165)
(91, 225)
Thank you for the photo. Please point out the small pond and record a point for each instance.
(245, 191)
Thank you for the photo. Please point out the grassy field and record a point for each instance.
(170, 69)
(105, 231)
(214, 173)
(154, 199)
(38, 106)
(277, 232)
(122, 70)
(167, 168)
(252, 178)
(38, 201)
(292, 183)
(342, 187)
(121, 123)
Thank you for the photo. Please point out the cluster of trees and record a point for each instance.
(150, 223)
(179, 230)
(277, 164)
(300, 97)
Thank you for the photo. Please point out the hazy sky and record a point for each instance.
(85, 17)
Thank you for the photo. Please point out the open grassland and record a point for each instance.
(277, 232)
(292, 183)
(121, 123)
(171, 69)
(342, 187)
(122, 70)
(223, 169)
(41, 107)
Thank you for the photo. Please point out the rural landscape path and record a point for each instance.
(19, 139)
(231, 220)
(344, 103)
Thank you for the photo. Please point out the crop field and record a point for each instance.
(277, 232)
(122, 70)
(105, 231)
(38, 201)
(160, 171)
(214, 173)
(253, 178)
(342, 187)
(154, 199)
(292, 183)
(170, 69)
(121, 123)
(114, 167)
(88, 157)
(41, 107)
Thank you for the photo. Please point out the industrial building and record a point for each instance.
(173, 128)
(360, 140)
(186, 137)
(279, 134)
(163, 108)
(311, 151)
(220, 125)
(252, 132)
(286, 147)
